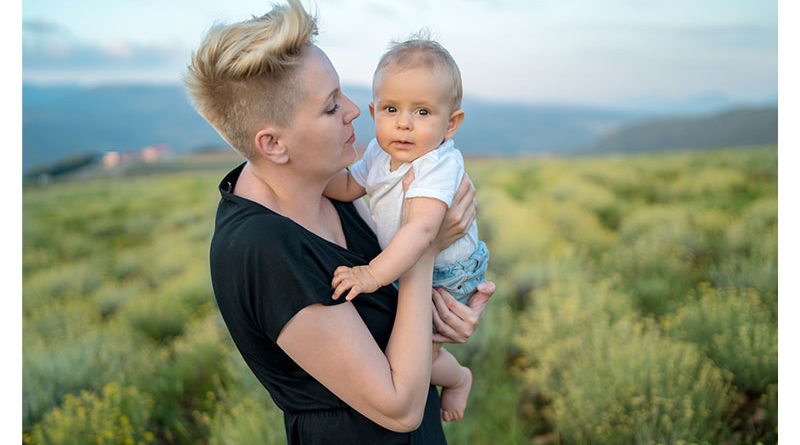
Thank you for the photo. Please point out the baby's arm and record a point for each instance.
(423, 218)
(343, 187)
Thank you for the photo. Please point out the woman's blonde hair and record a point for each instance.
(244, 74)
(420, 50)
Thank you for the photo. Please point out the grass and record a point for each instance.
(636, 303)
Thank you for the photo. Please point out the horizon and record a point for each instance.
(708, 102)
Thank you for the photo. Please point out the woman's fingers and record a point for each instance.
(455, 321)
(464, 315)
(464, 206)
(477, 302)
(465, 191)
(451, 325)
(408, 179)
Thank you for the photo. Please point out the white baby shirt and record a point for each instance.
(437, 175)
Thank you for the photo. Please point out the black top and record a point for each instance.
(265, 268)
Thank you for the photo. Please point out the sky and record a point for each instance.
(533, 51)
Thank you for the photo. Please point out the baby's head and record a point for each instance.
(416, 98)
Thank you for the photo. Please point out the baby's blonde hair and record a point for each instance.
(244, 74)
(422, 51)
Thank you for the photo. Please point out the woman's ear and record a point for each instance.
(456, 117)
(270, 146)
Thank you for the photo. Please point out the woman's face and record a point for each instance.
(321, 136)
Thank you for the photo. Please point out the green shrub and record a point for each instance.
(750, 253)
(761, 217)
(554, 329)
(595, 198)
(517, 232)
(69, 280)
(246, 421)
(629, 385)
(192, 289)
(118, 415)
(113, 295)
(52, 368)
(736, 331)
(159, 317)
(61, 320)
(713, 181)
(185, 372)
(598, 376)
(657, 274)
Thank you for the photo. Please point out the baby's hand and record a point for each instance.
(358, 279)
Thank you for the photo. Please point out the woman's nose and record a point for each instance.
(351, 110)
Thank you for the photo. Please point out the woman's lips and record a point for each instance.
(351, 139)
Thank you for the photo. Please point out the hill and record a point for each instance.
(733, 128)
(61, 122)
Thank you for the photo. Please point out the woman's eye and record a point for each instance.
(334, 109)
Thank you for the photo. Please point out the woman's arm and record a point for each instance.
(343, 187)
(334, 346)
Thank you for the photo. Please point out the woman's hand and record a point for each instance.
(459, 216)
(455, 322)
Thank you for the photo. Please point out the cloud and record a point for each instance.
(50, 52)
(42, 27)
(51, 46)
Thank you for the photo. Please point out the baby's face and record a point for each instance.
(411, 112)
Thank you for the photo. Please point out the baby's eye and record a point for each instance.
(391, 109)
(424, 112)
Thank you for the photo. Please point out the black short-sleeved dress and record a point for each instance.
(265, 268)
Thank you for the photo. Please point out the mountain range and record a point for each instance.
(60, 121)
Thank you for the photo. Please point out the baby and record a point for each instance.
(416, 106)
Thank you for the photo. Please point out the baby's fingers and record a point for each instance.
(339, 275)
(340, 289)
(353, 293)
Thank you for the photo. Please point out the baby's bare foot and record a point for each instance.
(454, 398)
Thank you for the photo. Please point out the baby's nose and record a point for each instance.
(403, 121)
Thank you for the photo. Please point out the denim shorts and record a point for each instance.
(462, 278)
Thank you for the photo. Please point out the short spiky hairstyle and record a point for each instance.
(422, 51)
(244, 74)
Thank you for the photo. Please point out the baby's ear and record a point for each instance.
(372, 110)
(456, 117)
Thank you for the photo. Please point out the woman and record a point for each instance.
(342, 372)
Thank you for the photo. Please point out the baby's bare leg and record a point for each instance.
(455, 380)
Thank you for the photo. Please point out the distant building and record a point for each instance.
(111, 159)
(149, 154)
(154, 153)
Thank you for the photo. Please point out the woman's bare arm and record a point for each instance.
(334, 346)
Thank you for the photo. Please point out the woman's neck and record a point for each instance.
(285, 194)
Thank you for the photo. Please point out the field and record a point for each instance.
(636, 303)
